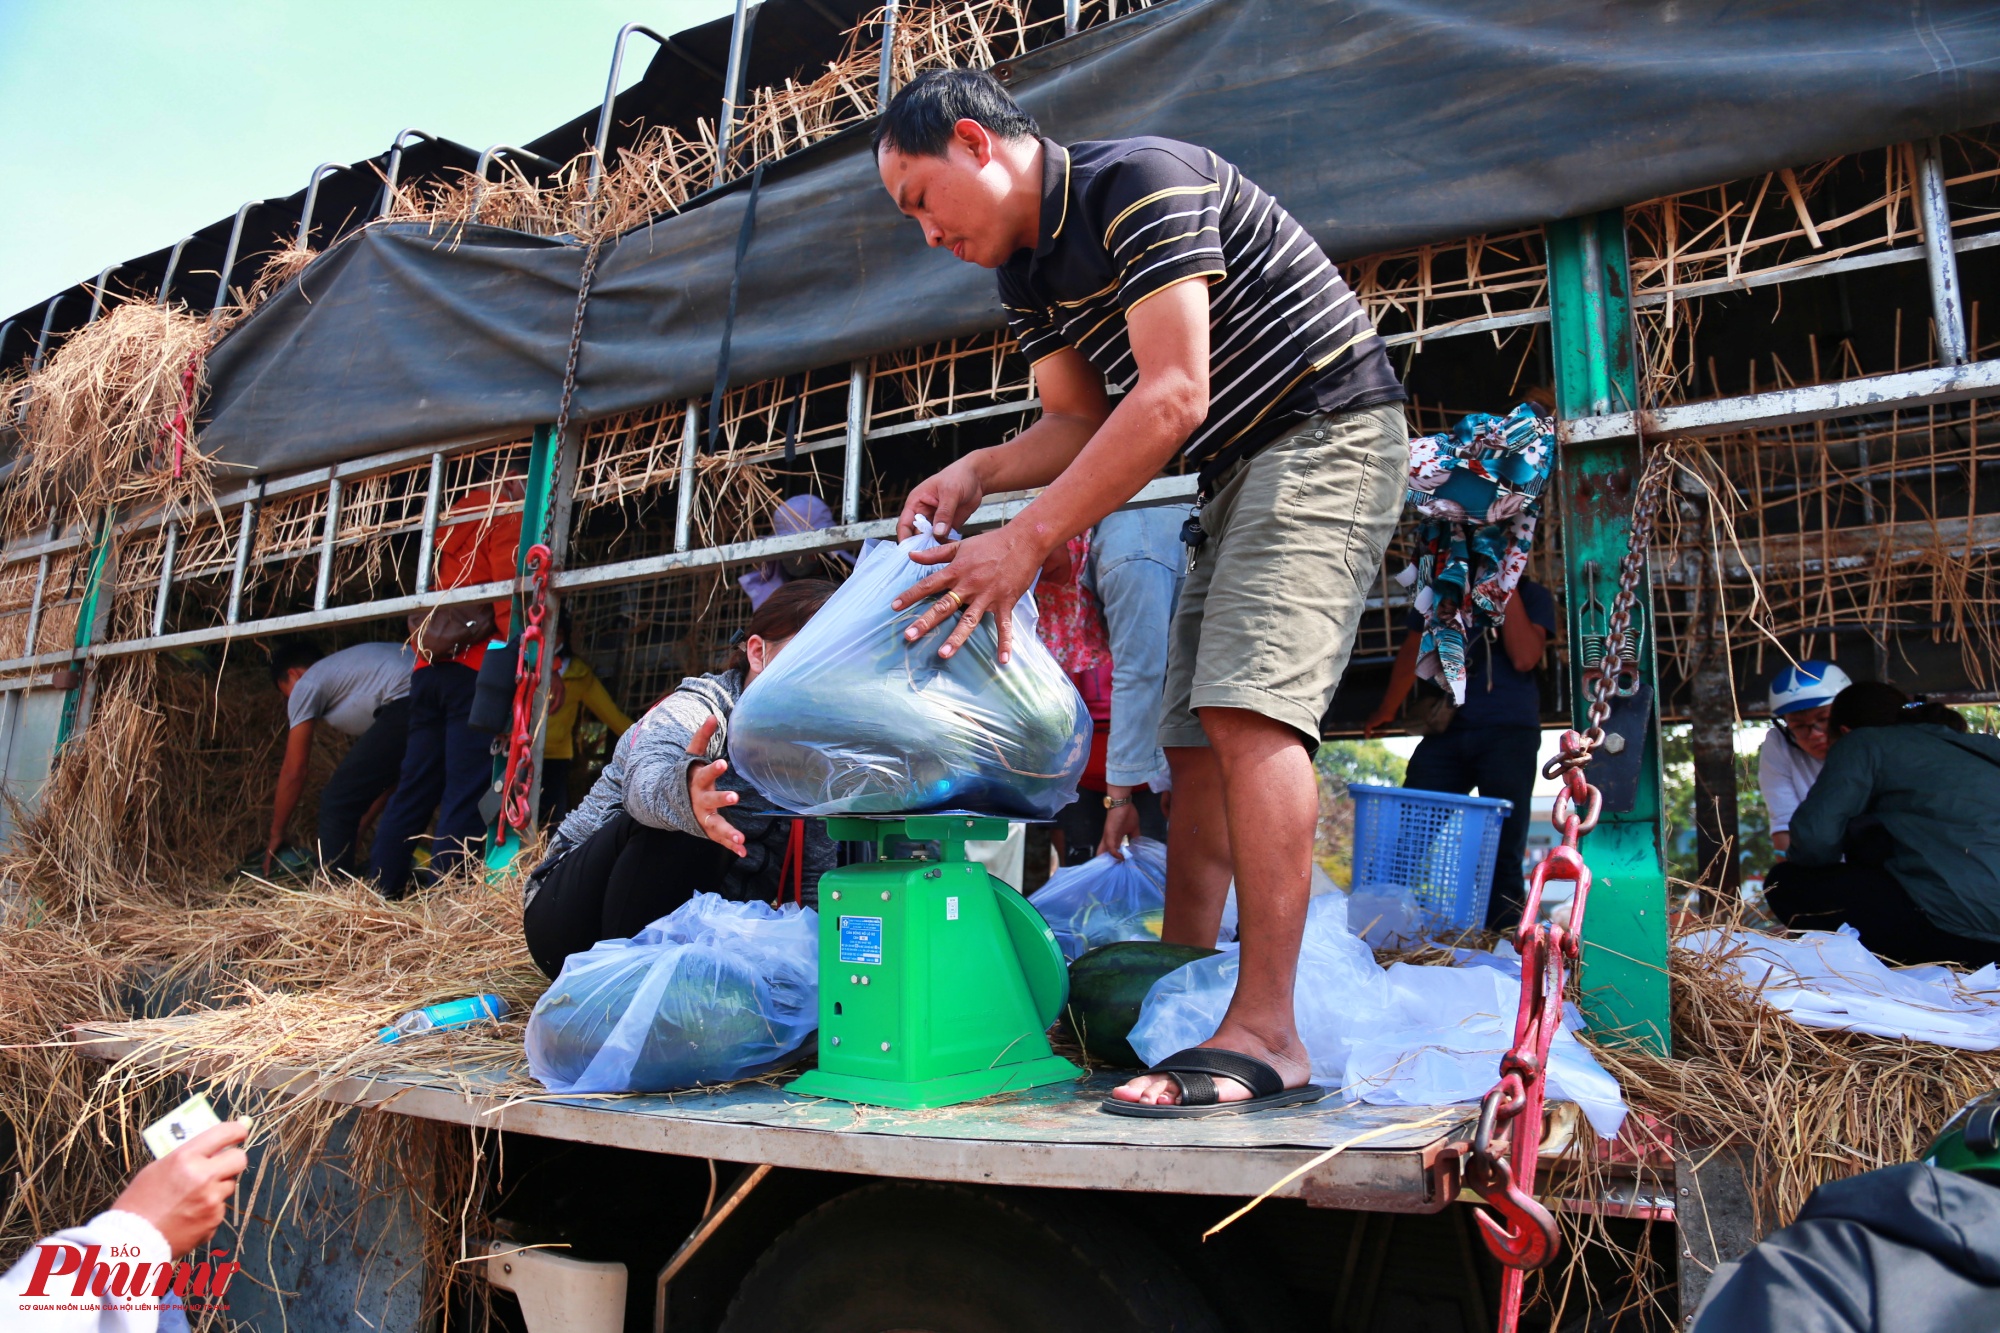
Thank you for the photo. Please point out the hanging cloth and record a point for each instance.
(1478, 490)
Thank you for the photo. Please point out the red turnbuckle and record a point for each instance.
(1523, 1236)
(516, 787)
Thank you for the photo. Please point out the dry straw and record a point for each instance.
(121, 900)
(98, 428)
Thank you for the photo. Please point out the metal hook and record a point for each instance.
(512, 157)
(173, 264)
(97, 295)
(48, 322)
(885, 77)
(611, 95)
(396, 166)
(229, 259)
(319, 173)
(732, 88)
(1524, 1236)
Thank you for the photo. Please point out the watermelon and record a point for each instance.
(1109, 983)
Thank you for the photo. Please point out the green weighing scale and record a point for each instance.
(937, 982)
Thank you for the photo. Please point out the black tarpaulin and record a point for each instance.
(1378, 124)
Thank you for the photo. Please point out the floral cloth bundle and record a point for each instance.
(1478, 487)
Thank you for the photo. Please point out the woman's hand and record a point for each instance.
(708, 802)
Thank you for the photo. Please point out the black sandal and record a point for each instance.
(1196, 1069)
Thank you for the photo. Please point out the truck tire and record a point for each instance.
(904, 1257)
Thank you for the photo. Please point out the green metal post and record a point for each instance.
(90, 618)
(502, 845)
(1624, 981)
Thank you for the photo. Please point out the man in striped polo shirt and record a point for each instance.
(1156, 267)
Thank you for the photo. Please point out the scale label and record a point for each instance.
(861, 939)
(951, 909)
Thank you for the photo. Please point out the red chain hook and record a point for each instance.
(516, 788)
(1523, 1236)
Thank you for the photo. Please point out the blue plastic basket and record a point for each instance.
(1437, 845)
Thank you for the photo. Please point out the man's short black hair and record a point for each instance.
(289, 656)
(920, 119)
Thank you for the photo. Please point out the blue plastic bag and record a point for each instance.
(852, 719)
(714, 991)
(1106, 900)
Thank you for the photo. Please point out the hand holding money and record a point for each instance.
(185, 1193)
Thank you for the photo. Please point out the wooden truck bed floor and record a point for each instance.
(1051, 1136)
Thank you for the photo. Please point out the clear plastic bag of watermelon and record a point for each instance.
(1106, 900)
(713, 991)
(852, 719)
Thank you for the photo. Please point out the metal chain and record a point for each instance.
(1524, 1235)
(516, 786)
(1601, 681)
(583, 282)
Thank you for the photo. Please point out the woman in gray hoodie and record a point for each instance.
(667, 819)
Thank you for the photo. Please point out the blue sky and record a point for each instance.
(126, 124)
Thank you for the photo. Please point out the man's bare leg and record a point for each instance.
(1198, 866)
(1271, 805)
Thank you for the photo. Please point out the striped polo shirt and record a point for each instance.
(1124, 218)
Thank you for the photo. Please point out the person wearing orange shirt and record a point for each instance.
(446, 764)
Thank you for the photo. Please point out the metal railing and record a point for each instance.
(1957, 379)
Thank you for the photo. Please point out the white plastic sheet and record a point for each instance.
(714, 990)
(1386, 916)
(852, 719)
(1395, 1036)
(1106, 900)
(1830, 980)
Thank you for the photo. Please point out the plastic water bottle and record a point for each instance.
(450, 1014)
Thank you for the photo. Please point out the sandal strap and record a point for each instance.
(1205, 1063)
(1197, 1089)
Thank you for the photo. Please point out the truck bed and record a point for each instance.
(1051, 1136)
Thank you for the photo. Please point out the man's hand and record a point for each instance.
(947, 499)
(185, 1193)
(1120, 822)
(983, 575)
(1383, 717)
(708, 802)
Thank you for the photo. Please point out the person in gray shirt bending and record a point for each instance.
(363, 692)
(667, 819)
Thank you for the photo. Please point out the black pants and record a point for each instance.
(370, 768)
(1500, 763)
(620, 880)
(555, 792)
(446, 767)
(1871, 900)
(1081, 823)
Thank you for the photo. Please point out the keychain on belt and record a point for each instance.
(1193, 535)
